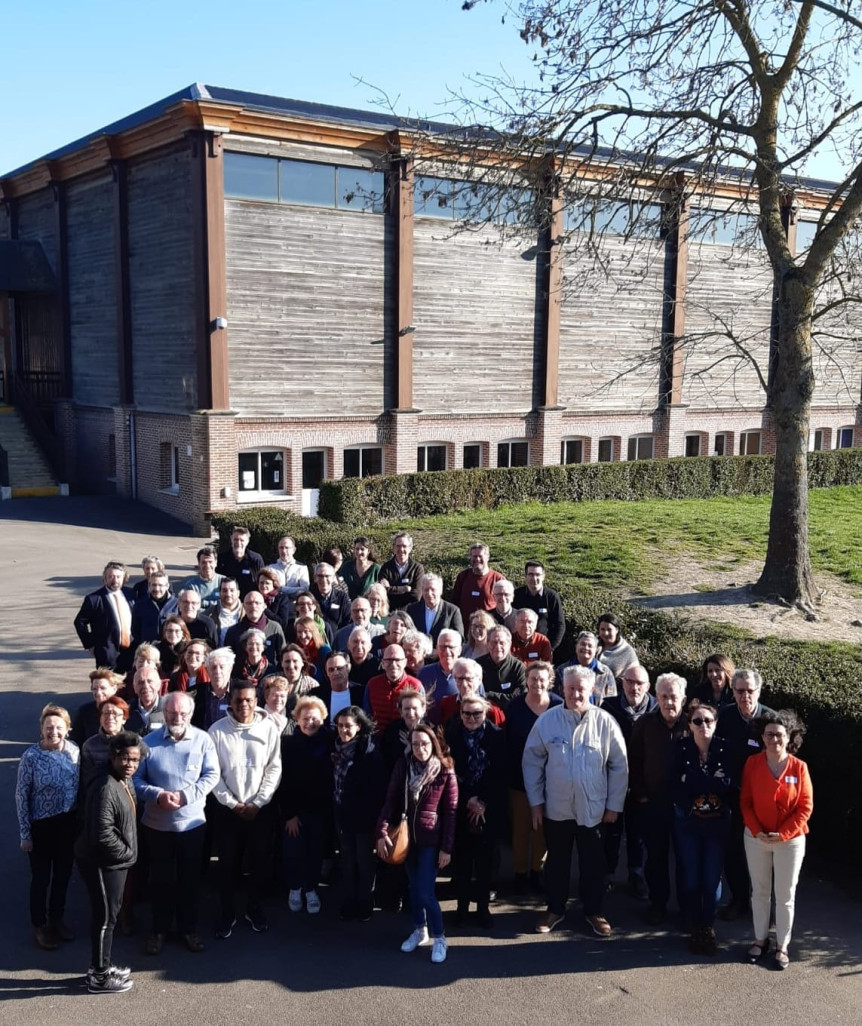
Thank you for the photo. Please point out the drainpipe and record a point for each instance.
(133, 458)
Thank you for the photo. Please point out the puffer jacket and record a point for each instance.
(432, 818)
(109, 838)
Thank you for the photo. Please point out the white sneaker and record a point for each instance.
(312, 903)
(438, 951)
(418, 939)
(294, 901)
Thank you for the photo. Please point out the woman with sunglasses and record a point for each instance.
(702, 789)
(776, 802)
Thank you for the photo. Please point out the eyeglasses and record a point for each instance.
(472, 715)
(395, 659)
(699, 721)
(745, 691)
(775, 735)
(465, 676)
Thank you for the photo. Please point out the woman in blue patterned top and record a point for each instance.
(45, 797)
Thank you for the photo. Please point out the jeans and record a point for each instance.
(303, 854)
(780, 862)
(562, 836)
(700, 846)
(175, 877)
(422, 881)
(105, 891)
(51, 863)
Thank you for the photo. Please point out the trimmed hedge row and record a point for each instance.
(371, 500)
(818, 680)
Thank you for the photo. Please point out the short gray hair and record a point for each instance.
(673, 679)
(578, 673)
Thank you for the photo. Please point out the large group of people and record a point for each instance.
(280, 716)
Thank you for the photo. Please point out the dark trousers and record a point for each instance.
(175, 877)
(700, 848)
(735, 862)
(238, 839)
(635, 846)
(357, 868)
(51, 862)
(105, 891)
(657, 824)
(303, 854)
(473, 860)
(561, 837)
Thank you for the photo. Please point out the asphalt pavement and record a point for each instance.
(317, 970)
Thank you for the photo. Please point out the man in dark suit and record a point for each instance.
(432, 614)
(104, 621)
(199, 625)
(151, 610)
(241, 563)
(338, 691)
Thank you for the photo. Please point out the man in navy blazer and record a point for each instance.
(432, 614)
(104, 621)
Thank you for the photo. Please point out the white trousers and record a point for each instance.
(779, 862)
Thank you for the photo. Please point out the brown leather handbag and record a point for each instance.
(400, 836)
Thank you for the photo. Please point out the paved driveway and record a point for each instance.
(321, 972)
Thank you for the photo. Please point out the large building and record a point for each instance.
(225, 298)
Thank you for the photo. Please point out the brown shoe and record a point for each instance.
(153, 945)
(194, 942)
(547, 921)
(46, 938)
(600, 926)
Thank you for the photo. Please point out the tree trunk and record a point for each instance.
(787, 570)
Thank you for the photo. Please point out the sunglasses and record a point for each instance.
(472, 715)
(699, 721)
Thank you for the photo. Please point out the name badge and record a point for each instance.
(475, 594)
(404, 580)
(246, 571)
(249, 763)
(752, 743)
(543, 612)
(506, 685)
(222, 706)
(335, 605)
(791, 780)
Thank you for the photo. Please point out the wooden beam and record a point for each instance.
(210, 271)
(678, 243)
(125, 356)
(554, 294)
(402, 199)
(63, 307)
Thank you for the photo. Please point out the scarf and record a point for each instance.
(253, 673)
(477, 757)
(342, 760)
(421, 775)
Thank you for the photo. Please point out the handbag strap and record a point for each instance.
(406, 779)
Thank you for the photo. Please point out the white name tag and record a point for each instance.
(791, 780)
(506, 685)
(752, 743)
(475, 594)
(335, 605)
(532, 655)
(404, 580)
(246, 571)
(542, 612)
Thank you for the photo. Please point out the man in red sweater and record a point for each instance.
(474, 586)
(527, 644)
(381, 694)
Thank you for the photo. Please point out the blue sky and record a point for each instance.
(67, 69)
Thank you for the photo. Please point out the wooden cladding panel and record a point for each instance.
(307, 310)
(474, 307)
(161, 285)
(92, 292)
(610, 326)
(728, 295)
(5, 226)
(837, 352)
(36, 220)
(300, 151)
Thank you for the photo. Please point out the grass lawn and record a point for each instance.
(630, 545)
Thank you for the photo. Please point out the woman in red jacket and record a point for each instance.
(776, 803)
(425, 782)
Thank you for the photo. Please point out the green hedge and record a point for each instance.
(371, 500)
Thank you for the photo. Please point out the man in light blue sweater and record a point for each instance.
(173, 781)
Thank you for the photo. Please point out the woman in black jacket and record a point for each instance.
(105, 851)
(478, 749)
(359, 787)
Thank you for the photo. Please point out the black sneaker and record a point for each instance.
(257, 920)
(123, 971)
(108, 983)
(225, 927)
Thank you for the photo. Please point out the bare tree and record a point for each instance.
(630, 94)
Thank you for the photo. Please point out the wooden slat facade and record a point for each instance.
(161, 273)
(36, 221)
(474, 311)
(837, 353)
(730, 288)
(92, 291)
(307, 309)
(611, 320)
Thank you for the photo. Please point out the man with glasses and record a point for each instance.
(467, 674)
(737, 724)
(437, 677)
(381, 695)
(633, 702)
(653, 738)
(576, 777)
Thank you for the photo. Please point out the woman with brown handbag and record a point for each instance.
(423, 786)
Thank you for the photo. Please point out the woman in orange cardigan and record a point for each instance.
(776, 803)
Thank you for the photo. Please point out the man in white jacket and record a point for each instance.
(576, 777)
(247, 744)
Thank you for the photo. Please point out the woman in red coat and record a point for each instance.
(776, 802)
(424, 786)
